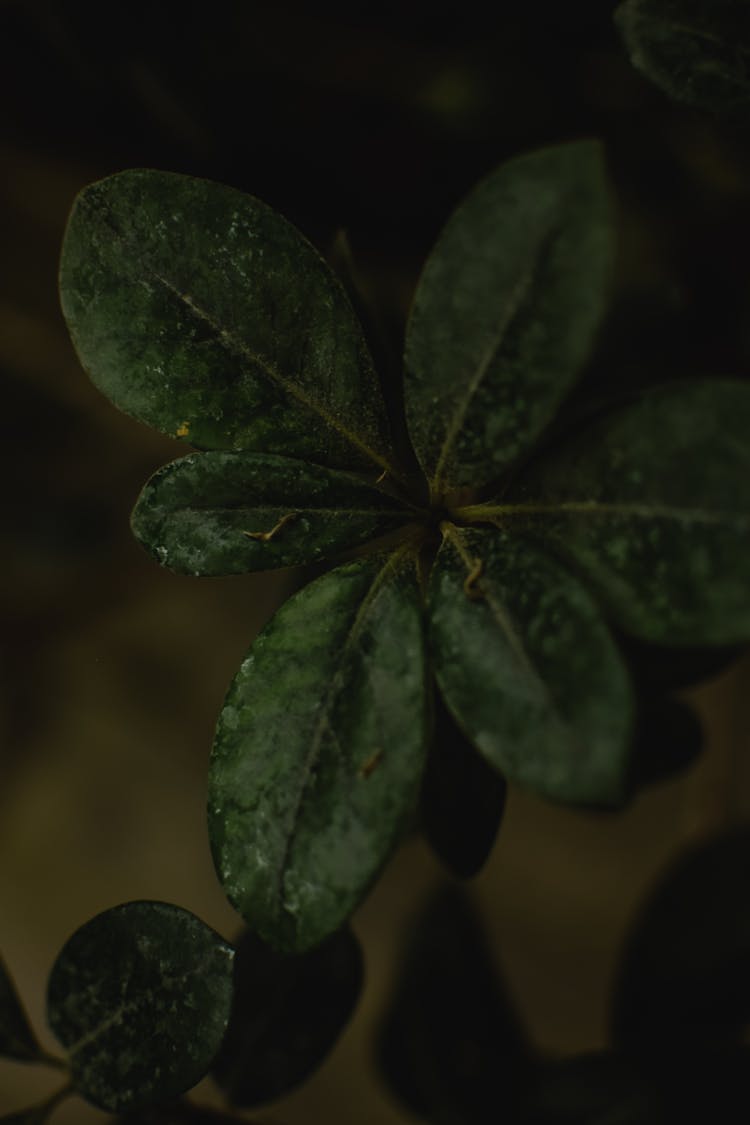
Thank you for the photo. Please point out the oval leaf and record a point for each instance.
(697, 52)
(288, 1012)
(17, 1040)
(685, 977)
(140, 996)
(463, 798)
(451, 1046)
(229, 513)
(651, 503)
(505, 313)
(319, 751)
(528, 668)
(199, 310)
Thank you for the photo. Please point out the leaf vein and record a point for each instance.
(516, 299)
(323, 722)
(492, 512)
(239, 348)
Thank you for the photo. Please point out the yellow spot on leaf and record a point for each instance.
(183, 430)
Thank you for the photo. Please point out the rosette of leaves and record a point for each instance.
(470, 553)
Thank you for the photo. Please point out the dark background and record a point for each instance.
(376, 119)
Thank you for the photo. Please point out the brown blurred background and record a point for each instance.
(376, 120)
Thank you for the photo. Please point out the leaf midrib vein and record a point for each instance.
(237, 346)
(603, 508)
(323, 719)
(302, 511)
(115, 1016)
(241, 349)
(517, 297)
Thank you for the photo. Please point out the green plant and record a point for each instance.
(203, 313)
(493, 555)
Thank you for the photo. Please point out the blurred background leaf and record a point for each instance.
(685, 976)
(463, 797)
(451, 1046)
(287, 1014)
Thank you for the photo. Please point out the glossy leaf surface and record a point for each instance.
(451, 1046)
(463, 798)
(528, 668)
(204, 313)
(651, 504)
(505, 313)
(17, 1040)
(140, 996)
(288, 1012)
(685, 977)
(228, 513)
(697, 52)
(319, 751)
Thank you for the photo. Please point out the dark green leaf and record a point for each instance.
(228, 513)
(505, 312)
(140, 996)
(288, 1012)
(697, 51)
(451, 1046)
(463, 798)
(199, 310)
(528, 668)
(319, 750)
(685, 977)
(17, 1040)
(651, 503)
